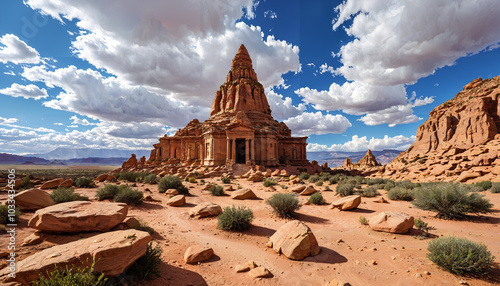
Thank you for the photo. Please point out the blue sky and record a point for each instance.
(350, 75)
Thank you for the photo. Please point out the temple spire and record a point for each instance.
(242, 59)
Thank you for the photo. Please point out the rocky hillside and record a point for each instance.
(459, 142)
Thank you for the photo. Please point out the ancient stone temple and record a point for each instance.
(240, 129)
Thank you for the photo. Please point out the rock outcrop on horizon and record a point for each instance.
(368, 161)
(459, 142)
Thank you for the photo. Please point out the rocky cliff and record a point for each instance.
(459, 142)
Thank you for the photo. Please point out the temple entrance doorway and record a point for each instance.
(240, 151)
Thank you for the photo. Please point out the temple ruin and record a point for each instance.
(240, 129)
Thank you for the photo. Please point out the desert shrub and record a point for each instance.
(316, 199)
(363, 220)
(132, 176)
(149, 179)
(345, 189)
(284, 187)
(407, 185)
(423, 227)
(235, 218)
(269, 182)
(108, 192)
(84, 276)
(400, 194)
(450, 200)
(172, 182)
(460, 256)
(359, 179)
(192, 180)
(327, 188)
(484, 185)
(325, 176)
(284, 204)
(369, 192)
(314, 178)
(147, 267)
(376, 181)
(336, 178)
(26, 183)
(216, 190)
(495, 188)
(319, 183)
(63, 195)
(143, 226)
(304, 176)
(225, 180)
(129, 196)
(4, 214)
(84, 182)
(389, 184)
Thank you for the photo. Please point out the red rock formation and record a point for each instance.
(347, 164)
(131, 162)
(459, 141)
(367, 161)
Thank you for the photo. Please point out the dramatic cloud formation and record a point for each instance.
(26, 91)
(316, 123)
(397, 43)
(362, 144)
(16, 51)
(282, 108)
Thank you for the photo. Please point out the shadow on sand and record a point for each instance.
(326, 255)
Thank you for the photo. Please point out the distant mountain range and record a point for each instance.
(337, 158)
(63, 153)
(112, 157)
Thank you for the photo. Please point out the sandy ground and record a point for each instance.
(400, 259)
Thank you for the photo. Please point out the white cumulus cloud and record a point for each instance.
(357, 143)
(283, 108)
(16, 51)
(316, 123)
(25, 91)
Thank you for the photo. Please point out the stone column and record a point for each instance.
(233, 153)
(253, 150)
(247, 147)
(227, 151)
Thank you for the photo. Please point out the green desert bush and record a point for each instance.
(284, 204)
(450, 200)
(108, 192)
(172, 182)
(84, 182)
(63, 195)
(269, 182)
(304, 176)
(376, 181)
(325, 176)
(149, 179)
(495, 188)
(484, 185)
(314, 178)
(143, 226)
(316, 199)
(335, 179)
(4, 214)
(147, 267)
(345, 189)
(400, 194)
(81, 276)
(363, 220)
(235, 218)
(225, 180)
(192, 180)
(129, 196)
(26, 183)
(369, 192)
(216, 190)
(460, 256)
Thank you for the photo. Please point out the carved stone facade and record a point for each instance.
(240, 129)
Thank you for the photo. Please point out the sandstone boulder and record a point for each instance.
(52, 184)
(171, 192)
(101, 177)
(347, 203)
(79, 216)
(393, 222)
(205, 210)
(283, 173)
(110, 178)
(298, 189)
(228, 188)
(309, 190)
(113, 252)
(33, 199)
(256, 177)
(295, 240)
(243, 194)
(176, 201)
(259, 272)
(66, 183)
(275, 173)
(197, 253)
